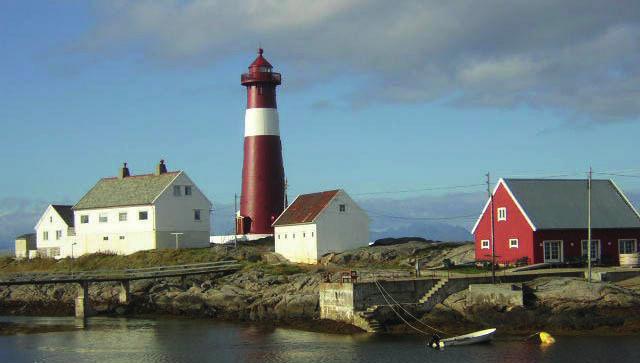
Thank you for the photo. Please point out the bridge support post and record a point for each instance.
(83, 308)
(124, 297)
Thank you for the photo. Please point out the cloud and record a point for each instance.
(578, 58)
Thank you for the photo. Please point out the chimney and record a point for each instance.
(161, 168)
(124, 172)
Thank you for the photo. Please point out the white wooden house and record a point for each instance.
(319, 223)
(55, 231)
(131, 213)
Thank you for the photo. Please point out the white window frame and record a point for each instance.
(502, 214)
(197, 215)
(146, 215)
(635, 244)
(84, 219)
(122, 216)
(560, 251)
(514, 245)
(103, 218)
(177, 191)
(121, 237)
(58, 234)
(485, 246)
(342, 208)
(188, 190)
(105, 238)
(45, 235)
(583, 247)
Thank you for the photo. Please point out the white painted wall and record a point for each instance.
(297, 243)
(122, 237)
(332, 231)
(177, 214)
(342, 231)
(50, 222)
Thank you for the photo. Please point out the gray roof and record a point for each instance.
(132, 190)
(562, 204)
(65, 212)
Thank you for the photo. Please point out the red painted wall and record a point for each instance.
(516, 226)
(572, 240)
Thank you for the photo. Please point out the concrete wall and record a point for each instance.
(297, 243)
(499, 294)
(336, 302)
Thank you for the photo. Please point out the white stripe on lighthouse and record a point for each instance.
(261, 121)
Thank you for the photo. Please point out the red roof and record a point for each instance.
(260, 61)
(306, 208)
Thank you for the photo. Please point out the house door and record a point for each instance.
(552, 251)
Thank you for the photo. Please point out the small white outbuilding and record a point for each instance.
(318, 223)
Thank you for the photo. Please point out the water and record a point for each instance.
(186, 340)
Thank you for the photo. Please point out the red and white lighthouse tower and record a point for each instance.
(263, 195)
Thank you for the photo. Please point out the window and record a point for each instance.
(304, 234)
(102, 218)
(342, 208)
(122, 217)
(627, 246)
(45, 235)
(143, 215)
(278, 236)
(121, 237)
(196, 214)
(58, 235)
(84, 219)
(552, 251)
(484, 244)
(294, 236)
(595, 249)
(312, 234)
(285, 236)
(50, 219)
(513, 243)
(176, 190)
(187, 190)
(502, 214)
(105, 238)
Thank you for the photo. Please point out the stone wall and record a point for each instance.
(499, 294)
(336, 301)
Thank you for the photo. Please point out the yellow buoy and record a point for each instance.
(546, 338)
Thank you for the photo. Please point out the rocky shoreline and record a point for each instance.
(268, 291)
(558, 305)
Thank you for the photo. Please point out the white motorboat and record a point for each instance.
(471, 338)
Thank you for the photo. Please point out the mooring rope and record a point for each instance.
(383, 291)
(400, 316)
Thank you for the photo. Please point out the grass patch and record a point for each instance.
(110, 261)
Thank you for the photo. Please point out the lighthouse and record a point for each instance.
(263, 195)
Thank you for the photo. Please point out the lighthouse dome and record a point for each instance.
(260, 64)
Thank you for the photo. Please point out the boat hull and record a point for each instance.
(481, 336)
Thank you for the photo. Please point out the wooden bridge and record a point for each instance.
(124, 277)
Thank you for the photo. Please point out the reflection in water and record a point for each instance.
(185, 340)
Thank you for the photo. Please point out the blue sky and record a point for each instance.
(410, 104)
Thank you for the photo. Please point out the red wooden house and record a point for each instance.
(545, 220)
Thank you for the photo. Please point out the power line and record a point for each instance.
(374, 214)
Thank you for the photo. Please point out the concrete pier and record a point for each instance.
(83, 307)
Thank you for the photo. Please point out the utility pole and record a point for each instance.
(493, 245)
(589, 223)
(235, 220)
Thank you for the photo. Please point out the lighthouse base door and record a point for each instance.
(553, 251)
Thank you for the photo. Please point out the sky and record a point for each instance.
(377, 96)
